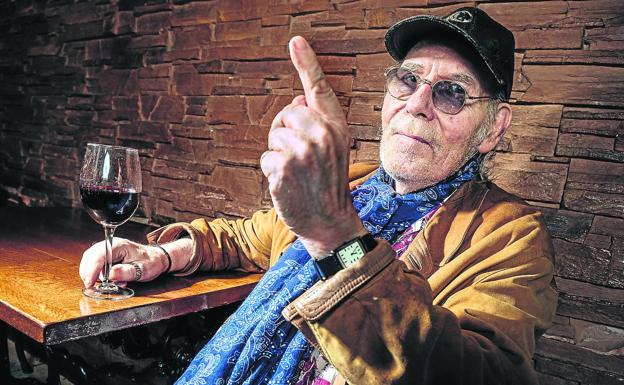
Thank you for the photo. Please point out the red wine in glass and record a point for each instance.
(109, 205)
(110, 184)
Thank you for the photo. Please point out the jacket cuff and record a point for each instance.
(325, 295)
(175, 231)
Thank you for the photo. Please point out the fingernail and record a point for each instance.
(300, 43)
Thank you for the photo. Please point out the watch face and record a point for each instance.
(351, 253)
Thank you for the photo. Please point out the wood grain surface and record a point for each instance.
(40, 289)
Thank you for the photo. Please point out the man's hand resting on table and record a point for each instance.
(151, 259)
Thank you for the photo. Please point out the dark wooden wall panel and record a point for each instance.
(195, 84)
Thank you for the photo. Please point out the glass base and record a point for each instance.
(108, 291)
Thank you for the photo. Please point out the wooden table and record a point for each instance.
(40, 289)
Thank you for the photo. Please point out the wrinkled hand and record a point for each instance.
(151, 260)
(308, 159)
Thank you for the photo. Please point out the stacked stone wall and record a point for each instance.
(195, 85)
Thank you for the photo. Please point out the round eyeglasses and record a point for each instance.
(448, 97)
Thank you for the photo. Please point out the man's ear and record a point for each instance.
(499, 127)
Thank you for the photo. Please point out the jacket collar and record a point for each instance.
(438, 242)
(441, 238)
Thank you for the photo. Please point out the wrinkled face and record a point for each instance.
(421, 145)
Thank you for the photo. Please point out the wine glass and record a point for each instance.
(110, 184)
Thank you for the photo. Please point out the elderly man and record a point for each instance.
(418, 271)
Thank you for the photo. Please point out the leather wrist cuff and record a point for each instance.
(175, 231)
(324, 295)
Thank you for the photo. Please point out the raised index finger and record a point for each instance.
(319, 95)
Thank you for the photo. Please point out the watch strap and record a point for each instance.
(331, 264)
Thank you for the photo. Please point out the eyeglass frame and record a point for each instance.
(422, 81)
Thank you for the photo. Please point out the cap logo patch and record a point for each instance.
(460, 17)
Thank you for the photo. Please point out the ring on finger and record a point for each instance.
(138, 272)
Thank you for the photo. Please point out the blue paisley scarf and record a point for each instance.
(256, 345)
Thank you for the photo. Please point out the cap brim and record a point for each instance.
(402, 36)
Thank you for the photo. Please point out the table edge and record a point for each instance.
(56, 333)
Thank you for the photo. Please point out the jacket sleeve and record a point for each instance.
(378, 322)
(222, 244)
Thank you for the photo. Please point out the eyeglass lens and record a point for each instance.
(447, 96)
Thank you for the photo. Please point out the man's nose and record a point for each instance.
(421, 102)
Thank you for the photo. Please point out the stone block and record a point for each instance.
(118, 82)
(572, 259)
(549, 38)
(256, 68)
(586, 141)
(351, 17)
(276, 35)
(148, 41)
(186, 81)
(527, 15)
(599, 338)
(566, 56)
(365, 151)
(272, 21)
(592, 153)
(577, 354)
(155, 71)
(596, 12)
(240, 184)
(594, 175)
(598, 241)
(190, 38)
(601, 127)
(244, 10)
(166, 109)
(227, 110)
(154, 131)
(579, 374)
(152, 23)
(300, 7)
(569, 225)
(534, 129)
(238, 30)
(574, 84)
(594, 202)
(560, 329)
(593, 113)
(365, 111)
(339, 65)
(261, 110)
(81, 31)
(546, 379)
(125, 108)
(348, 46)
(154, 85)
(194, 13)
(98, 50)
(608, 226)
(123, 22)
(590, 302)
(249, 53)
(534, 181)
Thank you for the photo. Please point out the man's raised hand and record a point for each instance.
(308, 159)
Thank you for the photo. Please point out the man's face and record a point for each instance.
(421, 145)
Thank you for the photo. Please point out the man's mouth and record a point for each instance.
(415, 137)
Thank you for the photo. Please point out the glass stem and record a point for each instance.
(109, 231)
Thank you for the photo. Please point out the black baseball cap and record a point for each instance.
(493, 43)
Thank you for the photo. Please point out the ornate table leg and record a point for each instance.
(19, 349)
(53, 373)
(5, 365)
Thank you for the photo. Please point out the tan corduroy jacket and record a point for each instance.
(464, 305)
